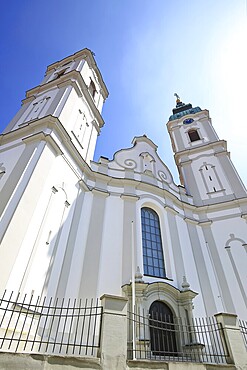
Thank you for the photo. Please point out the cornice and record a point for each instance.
(28, 100)
(131, 197)
(244, 216)
(63, 145)
(74, 79)
(41, 136)
(191, 220)
(161, 287)
(170, 209)
(210, 145)
(83, 185)
(205, 223)
(185, 163)
(30, 127)
(225, 152)
(188, 295)
(97, 191)
(203, 113)
(94, 123)
(37, 136)
(144, 138)
(53, 124)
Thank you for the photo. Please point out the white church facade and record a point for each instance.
(72, 227)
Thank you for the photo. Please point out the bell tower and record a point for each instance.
(203, 162)
(72, 91)
(45, 157)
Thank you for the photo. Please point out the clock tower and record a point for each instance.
(203, 162)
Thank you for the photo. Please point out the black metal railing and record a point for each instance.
(243, 329)
(176, 339)
(47, 325)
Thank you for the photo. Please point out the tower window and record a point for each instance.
(193, 135)
(92, 88)
(153, 259)
(60, 73)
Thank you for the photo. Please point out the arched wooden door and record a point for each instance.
(162, 330)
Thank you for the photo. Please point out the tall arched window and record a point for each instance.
(153, 259)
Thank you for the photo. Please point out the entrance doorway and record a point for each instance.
(162, 330)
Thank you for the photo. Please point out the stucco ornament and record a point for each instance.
(143, 159)
(130, 163)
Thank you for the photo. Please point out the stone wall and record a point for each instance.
(112, 354)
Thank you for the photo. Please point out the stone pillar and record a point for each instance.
(113, 348)
(233, 339)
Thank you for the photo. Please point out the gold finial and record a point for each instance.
(178, 98)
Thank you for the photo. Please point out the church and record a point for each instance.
(75, 228)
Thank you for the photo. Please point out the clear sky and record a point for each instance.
(146, 51)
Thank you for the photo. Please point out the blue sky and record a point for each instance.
(146, 51)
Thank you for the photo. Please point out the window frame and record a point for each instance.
(195, 132)
(92, 88)
(152, 247)
(163, 340)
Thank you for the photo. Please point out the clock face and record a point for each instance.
(187, 121)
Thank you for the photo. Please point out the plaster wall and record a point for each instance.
(188, 257)
(111, 249)
(39, 106)
(15, 233)
(77, 118)
(230, 240)
(66, 66)
(10, 361)
(35, 107)
(48, 219)
(150, 365)
(215, 172)
(71, 273)
(209, 290)
(68, 113)
(8, 154)
(88, 74)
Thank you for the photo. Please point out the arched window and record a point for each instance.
(162, 330)
(153, 259)
(92, 88)
(193, 135)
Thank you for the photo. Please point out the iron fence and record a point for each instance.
(51, 326)
(243, 329)
(176, 339)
